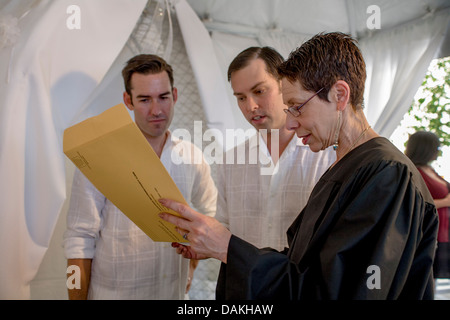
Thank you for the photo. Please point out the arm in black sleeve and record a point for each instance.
(252, 273)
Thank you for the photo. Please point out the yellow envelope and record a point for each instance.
(114, 155)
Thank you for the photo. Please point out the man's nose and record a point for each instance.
(155, 108)
(251, 104)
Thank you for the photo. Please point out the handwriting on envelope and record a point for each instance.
(114, 155)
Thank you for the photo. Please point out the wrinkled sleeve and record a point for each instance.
(84, 219)
(252, 273)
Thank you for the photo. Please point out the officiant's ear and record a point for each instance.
(127, 100)
(340, 94)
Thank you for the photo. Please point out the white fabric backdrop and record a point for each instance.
(51, 70)
(396, 60)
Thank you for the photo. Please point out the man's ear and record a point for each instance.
(127, 100)
(175, 94)
(340, 94)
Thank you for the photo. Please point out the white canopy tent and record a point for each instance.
(56, 70)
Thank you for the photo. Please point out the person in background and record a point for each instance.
(118, 260)
(423, 148)
(369, 228)
(255, 205)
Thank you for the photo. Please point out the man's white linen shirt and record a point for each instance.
(259, 208)
(127, 264)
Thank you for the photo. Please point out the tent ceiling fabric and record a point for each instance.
(310, 16)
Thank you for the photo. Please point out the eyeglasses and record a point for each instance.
(295, 111)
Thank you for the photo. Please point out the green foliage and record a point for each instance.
(431, 107)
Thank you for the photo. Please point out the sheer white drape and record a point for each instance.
(51, 70)
(204, 63)
(397, 61)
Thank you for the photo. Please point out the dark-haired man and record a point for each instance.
(118, 260)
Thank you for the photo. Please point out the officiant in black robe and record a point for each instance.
(369, 229)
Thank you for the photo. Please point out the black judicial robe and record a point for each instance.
(371, 209)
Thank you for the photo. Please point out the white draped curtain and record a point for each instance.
(211, 85)
(396, 61)
(46, 75)
(52, 77)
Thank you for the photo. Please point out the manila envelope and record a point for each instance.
(114, 155)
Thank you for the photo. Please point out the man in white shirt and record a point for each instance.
(257, 204)
(117, 259)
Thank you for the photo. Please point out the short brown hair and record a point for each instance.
(145, 64)
(323, 60)
(269, 55)
(422, 147)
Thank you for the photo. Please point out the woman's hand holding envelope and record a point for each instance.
(207, 237)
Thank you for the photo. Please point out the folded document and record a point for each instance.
(114, 155)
